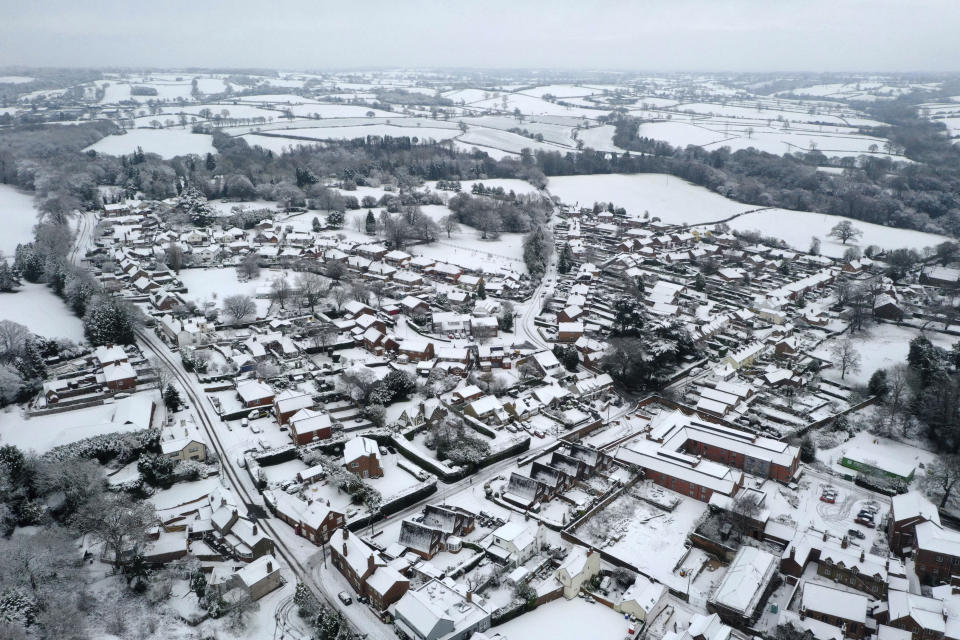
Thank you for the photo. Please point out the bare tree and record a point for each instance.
(118, 521)
(943, 476)
(161, 372)
(174, 255)
(339, 295)
(311, 287)
(846, 356)
(379, 291)
(249, 267)
(239, 306)
(280, 291)
(360, 293)
(844, 231)
(12, 338)
(449, 224)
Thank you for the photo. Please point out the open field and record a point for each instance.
(166, 143)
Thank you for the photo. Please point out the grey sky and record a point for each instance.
(658, 35)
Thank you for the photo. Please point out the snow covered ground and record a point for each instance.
(18, 216)
(671, 199)
(36, 307)
(797, 227)
(881, 346)
(567, 619)
(42, 433)
(164, 142)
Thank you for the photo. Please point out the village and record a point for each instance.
(439, 450)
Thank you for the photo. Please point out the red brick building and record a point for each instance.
(906, 512)
(361, 457)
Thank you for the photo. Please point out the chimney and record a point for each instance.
(886, 564)
(346, 533)
(254, 528)
(863, 555)
(469, 596)
(844, 543)
(824, 536)
(269, 567)
(344, 554)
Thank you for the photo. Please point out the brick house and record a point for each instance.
(307, 426)
(386, 586)
(290, 402)
(254, 393)
(354, 559)
(906, 512)
(937, 552)
(360, 457)
(837, 608)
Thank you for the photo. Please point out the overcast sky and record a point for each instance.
(656, 35)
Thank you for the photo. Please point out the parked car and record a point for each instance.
(856, 533)
(865, 522)
(828, 497)
(344, 597)
(244, 423)
(256, 413)
(255, 429)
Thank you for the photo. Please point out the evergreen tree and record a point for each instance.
(335, 219)
(537, 247)
(171, 397)
(878, 383)
(481, 290)
(316, 224)
(808, 450)
(211, 162)
(8, 278)
(109, 320)
(371, 224)
(30, 364)
(563, 262)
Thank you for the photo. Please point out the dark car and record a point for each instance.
(856, 533)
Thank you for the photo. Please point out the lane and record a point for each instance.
(233, 476)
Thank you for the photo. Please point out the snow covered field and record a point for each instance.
(880, 347)
(213, 285)
(671, 199)
(18, 216)
(36, 307)
(797, 227)
(164, 142)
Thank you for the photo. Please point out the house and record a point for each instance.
(385, 587)
(241, 535)
(937, 552)
(353, 310)
(413, 306)
(569, 331)
(547, 363)
(182, 449)
(643, 600)
(468, 393)
(578, 567)
(360, 456)
(484, 327)
(836, 607)
(888, 308)
(924, 618)
(308, 426)
(745, 586)
(450, 322)
(437, 611)
(907, 510)
(256, 579)
(289, 402)
(353, 558)
(254, 393)
(120, 376)
(514, 543)
(703, 627)
(313, 520)
(416, 349)
(422, 539)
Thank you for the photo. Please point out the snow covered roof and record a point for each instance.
(913, 505)
(115, 372)
(746, 580)
(842, 604)
(358, 448)
(261, 568)
(931, 537)
(434, 605)
(251, 390)
(384, 578)
(645, 593)
(927, 612)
